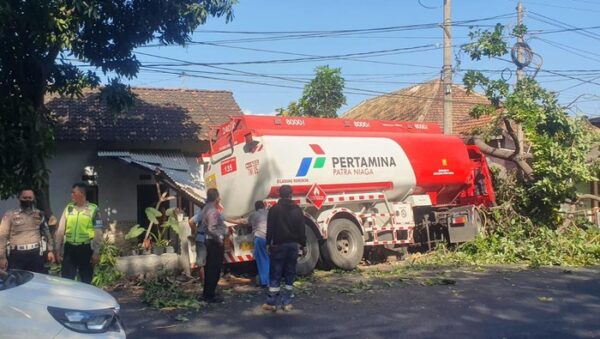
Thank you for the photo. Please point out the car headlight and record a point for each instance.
(90, 321)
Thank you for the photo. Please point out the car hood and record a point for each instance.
(49, 290)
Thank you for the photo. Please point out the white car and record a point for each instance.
(42, 306)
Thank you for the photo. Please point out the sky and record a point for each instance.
(270, 49)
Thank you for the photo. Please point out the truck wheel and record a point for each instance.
(324, 264)
(308, 260)
(344, 247)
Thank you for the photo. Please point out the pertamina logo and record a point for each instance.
(306, 162)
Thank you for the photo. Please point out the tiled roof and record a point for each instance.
(423, 102)
(158, 115)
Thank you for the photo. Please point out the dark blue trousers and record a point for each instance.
(283, 260)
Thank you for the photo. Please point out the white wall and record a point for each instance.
(117, 188)
(65, 169)
(6, 205)
(117, 182)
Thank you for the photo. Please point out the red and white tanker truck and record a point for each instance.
(361, 183)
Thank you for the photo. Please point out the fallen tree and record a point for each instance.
(551, 156)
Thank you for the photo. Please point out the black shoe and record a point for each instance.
(214, 300)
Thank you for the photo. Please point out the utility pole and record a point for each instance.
(520, 71)
(447, 71)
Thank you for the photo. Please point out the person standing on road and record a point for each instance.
(199, 235)
(21, 232)
(215, 234)
(285, 233)
(80, 227)
(258, 220)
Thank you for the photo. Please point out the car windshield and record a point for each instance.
(13, 278)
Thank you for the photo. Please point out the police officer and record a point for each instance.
(21, 233)
(215, 234)
(80, 228)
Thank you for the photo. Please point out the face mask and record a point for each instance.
(26, 204)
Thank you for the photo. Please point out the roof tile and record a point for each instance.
(158, 115)
(423, 102)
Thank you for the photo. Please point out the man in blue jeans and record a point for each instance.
(285, 233)
(258, 221)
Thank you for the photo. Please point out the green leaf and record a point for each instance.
(322, 96)
(56, 35)
(134, 232)
(170, 212)
(153, 214)
(175, 227)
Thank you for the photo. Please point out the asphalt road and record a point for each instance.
(504, 302)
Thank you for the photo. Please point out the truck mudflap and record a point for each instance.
(230, 258)
(241, 244)
(464, 223)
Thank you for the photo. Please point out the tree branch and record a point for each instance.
(504, 154)
(513, 136)
(588, 197)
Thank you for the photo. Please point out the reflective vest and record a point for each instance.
(80, 223)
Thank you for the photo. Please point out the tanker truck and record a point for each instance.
(362, 184)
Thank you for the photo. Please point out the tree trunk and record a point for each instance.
(510, 155)
(43, 198)
(40, 138)
(42, 129)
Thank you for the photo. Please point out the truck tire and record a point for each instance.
(324, 264)
(307, 262)
(344, 247)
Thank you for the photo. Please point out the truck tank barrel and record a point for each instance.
(253, 155)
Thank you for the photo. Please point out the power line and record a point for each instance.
(577, 85)
(222, 79)
(428, 7)
(360, 30)
(157, 81)
(570, 49)
(348, 90)
(301, 54)
(183, 73)
(394, 51)
(563, 7)
(586, 2)
(563, 30)
(571, 77)
(339, 35)
(560, 24)
(180, 71)
(554, 72)
(303, 80)
(291, 35)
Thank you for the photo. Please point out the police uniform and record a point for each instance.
(81, 228)
(21, 232)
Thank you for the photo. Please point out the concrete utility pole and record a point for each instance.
(447, 71)
(520, 70)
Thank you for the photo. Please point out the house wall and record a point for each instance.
(117, 182)
(66, 168)
(117, 188)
